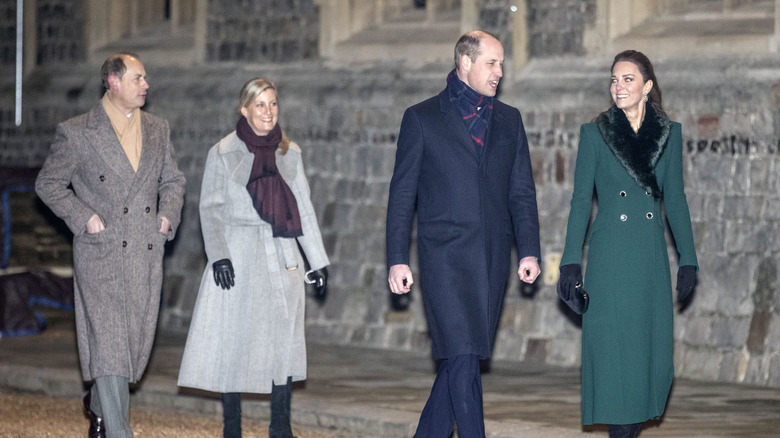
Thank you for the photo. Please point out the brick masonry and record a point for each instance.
(346, 120)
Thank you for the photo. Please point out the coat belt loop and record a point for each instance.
(286, 248)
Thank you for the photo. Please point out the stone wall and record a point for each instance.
(556, 27)
(7, 32)
(60, 31)
(262, 30)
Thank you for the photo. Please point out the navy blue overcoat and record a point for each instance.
(469, 206)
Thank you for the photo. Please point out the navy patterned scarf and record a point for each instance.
(474, 108)
(271, 196)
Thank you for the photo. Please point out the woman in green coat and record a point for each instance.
(632, 156)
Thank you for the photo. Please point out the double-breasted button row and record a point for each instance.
(147, 210)
(624, 217)
(124, 245)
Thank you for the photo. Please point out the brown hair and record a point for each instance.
(249, 92)
(646, 69)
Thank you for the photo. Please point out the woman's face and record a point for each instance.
(628, 86)
(263, 113)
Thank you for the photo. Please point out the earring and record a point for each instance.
(644, 97)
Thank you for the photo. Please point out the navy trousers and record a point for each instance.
(456, 397)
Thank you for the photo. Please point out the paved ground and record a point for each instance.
(40, 416)
(371, 393)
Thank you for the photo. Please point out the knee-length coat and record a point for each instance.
(627, 337)
(118, 272)
(470, 206)
(245, 338)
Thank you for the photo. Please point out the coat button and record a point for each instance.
(623, 193)
(124, 243)
(623, 218)
(159, 180)
(648, 194)
(125, 210)
(102, 178)
(649, 215)
(149, 246)
(148, 209)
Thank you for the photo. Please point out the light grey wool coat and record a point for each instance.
(245, 338)
(117, 273)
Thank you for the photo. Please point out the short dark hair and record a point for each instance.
(468, 44)
(114, 65)
(645, 67)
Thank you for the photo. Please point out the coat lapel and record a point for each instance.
(151, 151)
(492, 139)
(103, 140)
(238, 159)
(455, 124)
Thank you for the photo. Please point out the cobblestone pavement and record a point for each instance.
(354, 392)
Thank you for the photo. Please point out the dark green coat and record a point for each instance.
(627, 339)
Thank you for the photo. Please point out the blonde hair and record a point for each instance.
(249, 92)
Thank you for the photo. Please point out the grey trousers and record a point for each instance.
(111, 402)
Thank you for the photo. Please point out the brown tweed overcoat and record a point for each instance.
(117, 273)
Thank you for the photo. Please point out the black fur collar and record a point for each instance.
(637, 152)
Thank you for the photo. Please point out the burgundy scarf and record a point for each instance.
(271, 196)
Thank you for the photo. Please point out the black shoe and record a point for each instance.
(96, 427)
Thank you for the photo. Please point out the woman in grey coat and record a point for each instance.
(247, 329)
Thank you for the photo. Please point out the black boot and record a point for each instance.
(231, 413)
(280, 411)
(624, 430)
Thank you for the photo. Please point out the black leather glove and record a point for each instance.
(570, 288)
(319, 279)
(571, 277)
(686, 280)
(223, 273)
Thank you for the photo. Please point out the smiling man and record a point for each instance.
(463, 162)
(112, 178)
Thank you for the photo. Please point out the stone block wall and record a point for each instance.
(60, 31)
(556, 27)
(262, 31)
(7, 33)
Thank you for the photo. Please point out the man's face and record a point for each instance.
(483, 74)
(129, 91)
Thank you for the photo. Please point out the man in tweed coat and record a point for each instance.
(112, 178)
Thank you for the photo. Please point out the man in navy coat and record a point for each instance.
(463, 161)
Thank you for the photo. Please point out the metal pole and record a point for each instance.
(19, 38)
